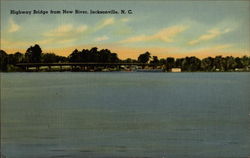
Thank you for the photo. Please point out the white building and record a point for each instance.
(176, 70)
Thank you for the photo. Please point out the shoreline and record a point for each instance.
(124, 71)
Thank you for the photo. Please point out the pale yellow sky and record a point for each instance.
(162, 28)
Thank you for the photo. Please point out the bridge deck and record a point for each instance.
(81, 64)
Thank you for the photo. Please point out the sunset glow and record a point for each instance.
(176, 29)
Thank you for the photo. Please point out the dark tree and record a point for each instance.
(229, 63)
(170, 62)
(74, 56)
(191, 64)
(52, 58)
(207, 64)
(15, 58)
(19, 57)
(179, 62)
(144, 58)
(162, 61)
(104, 55)
(129, 60)
(155, 60)
(195, 63)
(3, 61)
(114, 58)
(218, 64)
(245, 62)
(33, 54)
(238, 62)
(85, 55)
(93, 55)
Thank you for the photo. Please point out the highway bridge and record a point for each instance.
(82, 66)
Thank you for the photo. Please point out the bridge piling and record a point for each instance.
(37, 68)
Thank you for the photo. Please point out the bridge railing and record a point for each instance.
(83, 64)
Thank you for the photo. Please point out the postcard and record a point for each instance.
(125, 79)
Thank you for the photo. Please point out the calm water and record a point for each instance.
(125, 115)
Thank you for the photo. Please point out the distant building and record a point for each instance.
(248, 68)
(238, 69)
(176, 70)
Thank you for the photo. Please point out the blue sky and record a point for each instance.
(164, 28)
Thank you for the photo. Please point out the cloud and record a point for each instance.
(108, 21)
(165, 35)
(222, 49)
(70, 30)
(13, 43)
(102, 38)
(13, 26)
(123, 30)
(66, 41)
(104, 23)
(66, 30)
(67, 33)
(124, 20)
(168, 34)
(211, 34)
(82, 28)
(216, 48)
(45, 41)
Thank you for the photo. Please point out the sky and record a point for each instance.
(163, 28)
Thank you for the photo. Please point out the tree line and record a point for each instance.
(34, 54)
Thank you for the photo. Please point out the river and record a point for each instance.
(125, 115)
